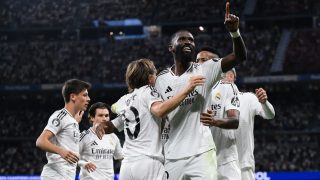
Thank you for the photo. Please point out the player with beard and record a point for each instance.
(190, 151)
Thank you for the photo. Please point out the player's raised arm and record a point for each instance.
(239, 53)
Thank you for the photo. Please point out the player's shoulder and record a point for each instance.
(164, 73)
(248, 95)
(84, 134)
(59, 115)
(229, 86)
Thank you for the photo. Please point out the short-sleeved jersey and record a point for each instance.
(99, 152)
(250, 107)
(142, 129)
(224, 96)
(66, 135)
(187, 135)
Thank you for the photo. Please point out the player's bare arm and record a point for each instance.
(161, 109)
(231, 122)
(239, 49)
(43, 142)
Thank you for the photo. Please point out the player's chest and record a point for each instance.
(71, 131)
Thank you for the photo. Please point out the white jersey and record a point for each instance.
(224, 97)
(250, 107)
(142, 129)
(187, 136)
(99, 152)
(66, 135)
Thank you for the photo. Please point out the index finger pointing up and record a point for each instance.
(227, 9)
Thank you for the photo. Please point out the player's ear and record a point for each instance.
(170, 48)
(73, 96)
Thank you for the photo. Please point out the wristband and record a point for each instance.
(235, 34)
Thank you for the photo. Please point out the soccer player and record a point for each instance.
(141, 121)
(190, 151)
(60, 138)
(222, 117)
(96, 155)
(251, 105)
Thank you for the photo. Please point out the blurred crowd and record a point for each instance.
(40, 62)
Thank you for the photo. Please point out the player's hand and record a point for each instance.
(206, 118)
(78, 116)
(195, 81)
(105, 127)
(262, 95)
(230, 21)
(69, 156)
(90, 167)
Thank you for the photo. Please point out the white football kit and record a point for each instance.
(66, 135)
(190, 150)
(99, 152)
(143, 158)
(250, 107)
(225, 97)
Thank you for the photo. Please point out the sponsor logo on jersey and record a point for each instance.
(190, 99)
(169, 89)
(102, 153)
(94, 143)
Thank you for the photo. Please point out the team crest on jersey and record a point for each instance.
(235, 101)
(217, 97)
(56, 122)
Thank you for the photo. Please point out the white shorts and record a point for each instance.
(143, 169)
(247, 173)
(49, 173)
(229, 171)
(199, 167)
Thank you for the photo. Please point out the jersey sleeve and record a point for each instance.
(120, 105)
(151, 96)
(232, 98)
(118, 122)
(266, 111)
(118, 150)
(212, 71)
(54, 124)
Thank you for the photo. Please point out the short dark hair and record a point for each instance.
(137, 74)
(176, 33)
(73, 86)
(99, 105)
(210, 49)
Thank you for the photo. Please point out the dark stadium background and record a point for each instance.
(45, 42)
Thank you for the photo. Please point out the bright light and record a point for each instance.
(201, 28)
(111, 33)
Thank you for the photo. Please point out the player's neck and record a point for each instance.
(71, 109)
(180, 67)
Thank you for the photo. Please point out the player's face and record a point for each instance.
(101, 115)
(82, 100)
(230, 76)
(183, 46)
(204, 56)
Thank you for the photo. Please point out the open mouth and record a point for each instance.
(186, 49)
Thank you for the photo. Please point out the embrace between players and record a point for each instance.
(196, 103)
